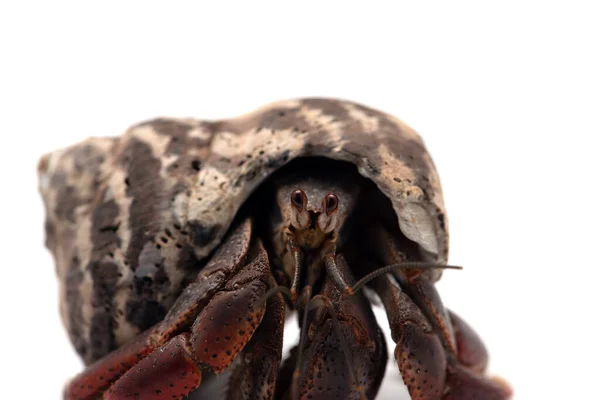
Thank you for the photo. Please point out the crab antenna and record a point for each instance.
(388, 268)
(298, 257)
(273, 291)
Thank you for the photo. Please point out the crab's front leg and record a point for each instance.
(209, 325)
(255, 375)
(428, 370)
(438, 354)
(419, 351)
(344, 354)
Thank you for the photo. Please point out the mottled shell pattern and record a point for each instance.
(130, 218)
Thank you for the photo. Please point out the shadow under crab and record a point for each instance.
(311, 236)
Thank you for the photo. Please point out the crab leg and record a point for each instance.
(465, 379)
(418, 286)
(429, 337)
(255, 375)
(471, 351)
(341, 347)
(419, 352)
(99, 376)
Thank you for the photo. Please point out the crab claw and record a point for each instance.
(210, 324)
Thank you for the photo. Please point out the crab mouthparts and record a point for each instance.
(313, 219)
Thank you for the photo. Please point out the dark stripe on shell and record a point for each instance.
(104, 274)
(74, 303)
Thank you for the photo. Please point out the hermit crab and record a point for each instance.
(181, 245)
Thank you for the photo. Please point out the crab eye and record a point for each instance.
(298, 199)
(331, 203)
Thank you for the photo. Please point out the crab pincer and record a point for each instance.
(209, 326)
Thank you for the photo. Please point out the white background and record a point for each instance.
(507, 98)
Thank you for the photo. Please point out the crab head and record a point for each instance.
(314, 212)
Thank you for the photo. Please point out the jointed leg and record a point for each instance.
(465, 377)
(417, 284)
(471, 351)
(255, 375)
(430, 336)
(419, 352)
(344, 354)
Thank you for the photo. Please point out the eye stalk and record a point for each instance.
(298, 199)
(331, 203)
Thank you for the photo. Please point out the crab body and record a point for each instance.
(179, 244)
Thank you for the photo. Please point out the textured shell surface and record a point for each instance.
(131, 219)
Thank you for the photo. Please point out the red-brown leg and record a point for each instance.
(428, 336)
(347, 361)
(471, 351)
(429, 370)
(99, 375)
(417, 284)
(419, 352)
(424, 294)
(255, 375)
(466, 379)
